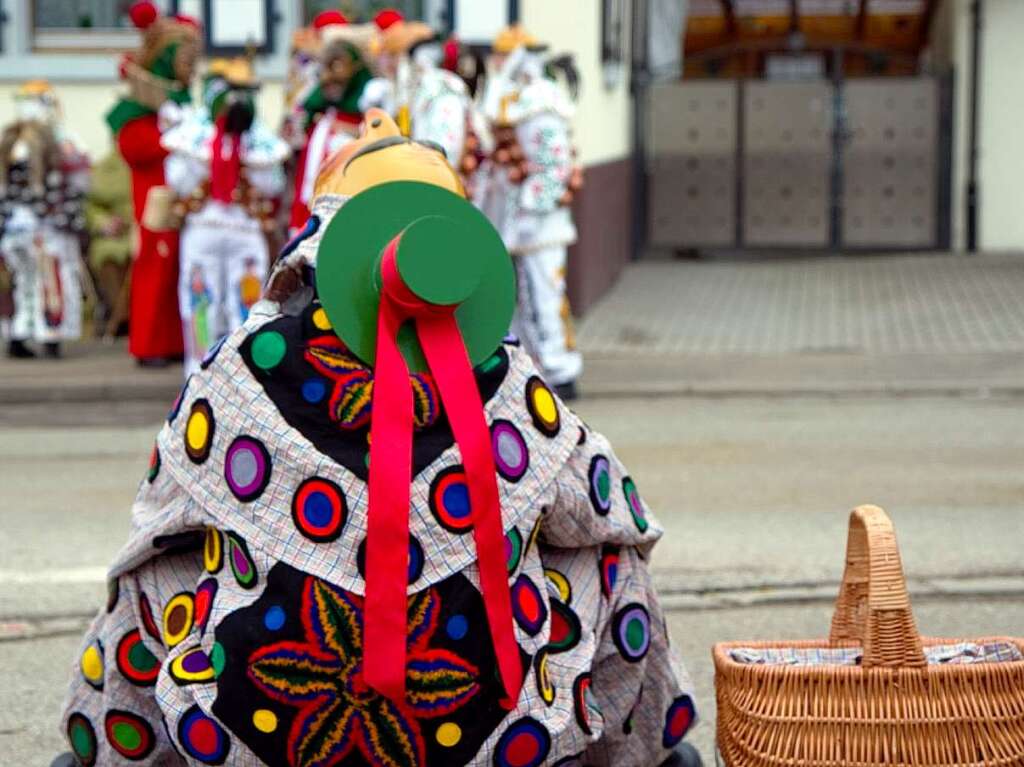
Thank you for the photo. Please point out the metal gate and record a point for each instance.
(798, 165)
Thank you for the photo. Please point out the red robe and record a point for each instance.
(155, 322)
(300, 211)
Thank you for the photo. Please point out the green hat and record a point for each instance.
(449, 254)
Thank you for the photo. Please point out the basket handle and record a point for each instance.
(873, 608)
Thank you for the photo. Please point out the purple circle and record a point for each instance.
(247, 468)
(511, 457)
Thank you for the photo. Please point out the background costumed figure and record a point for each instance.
(158, 77)
(525, 188)
(489, 604)
(329, 113)
(429, 102)
(226, 168)
(44, 174)
(108, 215)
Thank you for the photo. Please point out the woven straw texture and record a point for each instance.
(894, 709)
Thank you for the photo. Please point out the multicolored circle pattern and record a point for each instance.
(581, 695)
(511, 456)
(247, 468)
(561, 585)
(543, 677)
(213, 551)
(513, 549)
(678, 720)
(91, 664)
(526, 743)
(148, 622)
(242, 565)
(631, 631)
(319, 510)
(543, 408)
(202, 738)
(528, 605)
(135, 662)
(599, 481)
(206, 593)
(179, 614)
(636, 506)
(566, 630)
(82, 738)
(449, 500)
(609, 569)
(192, 667)
(154, 465)
(200, 427)
(129, 735)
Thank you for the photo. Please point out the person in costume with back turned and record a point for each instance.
(226, 168)
(108, 215)
(158, 76)
(329, 114)
(526, 188)
(43, 176)
(371, 534)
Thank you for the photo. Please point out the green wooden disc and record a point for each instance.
(449, 254)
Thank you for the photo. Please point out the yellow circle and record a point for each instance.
(178, 617)
(264, 720)
(212, 552)
(561, 583)
(320, 320)
(449, 734)
(198, 431)
(544, 404)
(92, 664)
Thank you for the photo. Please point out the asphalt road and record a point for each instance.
(753, 494)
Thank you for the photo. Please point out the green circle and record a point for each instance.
(141, 658)
(604, 485)
(268, 349)
(635, 634)
(81, 740)
(432, 266)
(218, 659)
(348, 267)
(127, 736)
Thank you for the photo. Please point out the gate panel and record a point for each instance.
(890, 182)
(787, 164)
(692, 167)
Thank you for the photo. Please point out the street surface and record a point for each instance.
(753, 493)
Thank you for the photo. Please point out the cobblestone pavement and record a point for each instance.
(871, 305)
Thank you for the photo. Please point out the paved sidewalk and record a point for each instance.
(901, 325)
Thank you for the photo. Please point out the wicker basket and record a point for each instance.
(891, 710)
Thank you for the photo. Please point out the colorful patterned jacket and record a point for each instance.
(233, 630)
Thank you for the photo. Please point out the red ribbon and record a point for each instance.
(225, 162)
(391, 430)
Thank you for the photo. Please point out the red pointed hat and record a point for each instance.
(143, 14)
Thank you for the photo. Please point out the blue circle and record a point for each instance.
(314, 390)
(613, 574)
(274, 618)
(318, 509)
(456, 500)
(457, 626)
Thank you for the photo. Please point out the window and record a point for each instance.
(84, 24)
(362, 10)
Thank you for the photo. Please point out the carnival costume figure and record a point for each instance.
(44, 174)
(371, 534)
(108, 215)
(429, 102)
(525, 189)
(328, 115)
(225, 167)
(158, 77)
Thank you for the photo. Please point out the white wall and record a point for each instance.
(603, 117)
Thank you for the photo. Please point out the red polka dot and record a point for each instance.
(203, 736)
(522, 749)
(679, 722)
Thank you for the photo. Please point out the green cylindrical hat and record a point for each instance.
(448, 254)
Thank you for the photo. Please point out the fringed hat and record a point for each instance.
(395, 35)
(163, 65)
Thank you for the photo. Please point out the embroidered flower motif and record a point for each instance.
(352, 397)
(323, 677)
